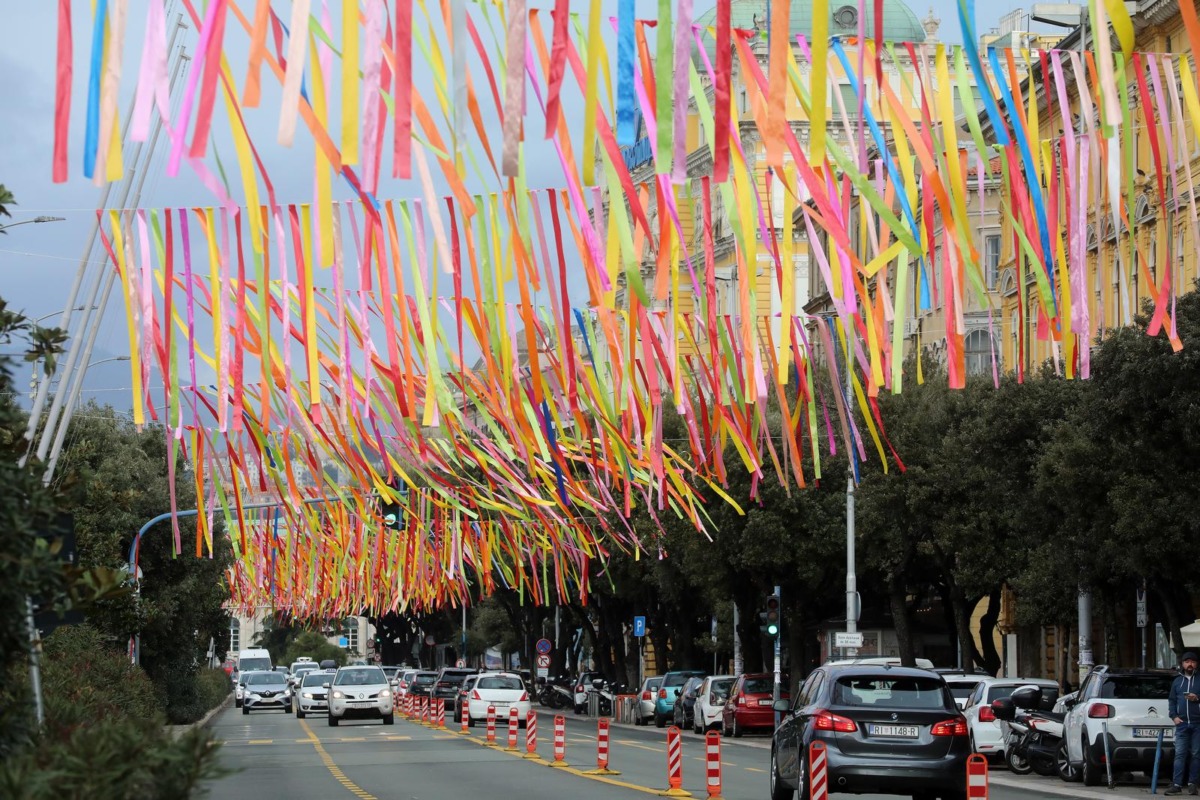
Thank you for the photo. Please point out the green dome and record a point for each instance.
(900, 24)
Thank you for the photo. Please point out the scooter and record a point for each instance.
(1032, 738)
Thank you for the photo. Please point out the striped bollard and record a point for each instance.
(818, 771)
(602, 750)
(514, 724)
(531, 736)
(674, 765)
(408, 701)
(490, 740)
(977, 777)
(712, 757)
(560, 742)
(426, 710)
(440, 714)
(465, 716)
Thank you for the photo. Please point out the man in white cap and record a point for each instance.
(1184, 707)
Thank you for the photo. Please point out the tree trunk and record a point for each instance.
(962, 628)
(901, 621)
(1174, 626)
(987, 627)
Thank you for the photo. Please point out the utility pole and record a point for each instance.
(851, 576)
(778, 665)
(739, 665)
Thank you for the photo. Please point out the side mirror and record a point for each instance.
(325, 685)
(782, 706)
(597, 684)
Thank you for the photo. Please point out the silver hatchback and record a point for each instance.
(266, 690)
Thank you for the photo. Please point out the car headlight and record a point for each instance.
(385, 693)
(308, 695)
(338, 695)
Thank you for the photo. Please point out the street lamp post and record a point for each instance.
(31, 222)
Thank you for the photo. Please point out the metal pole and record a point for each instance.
(738, 663)
(851, 576)
(1085, 633)
(39, 402)
(35, 672)
(775, 694)
(464, 634)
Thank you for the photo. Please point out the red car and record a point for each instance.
(749, 703)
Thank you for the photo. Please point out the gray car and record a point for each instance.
(887, 730)
(265, 690)
(644, 711)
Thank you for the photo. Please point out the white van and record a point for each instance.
(254, 659)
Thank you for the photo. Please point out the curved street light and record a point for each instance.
(31, 221)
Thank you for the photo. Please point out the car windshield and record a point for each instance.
(264, 679)
(962, 690)
(677, 678)
(315, 678)
(758, 686)
(390, 671)
(305, 667)
(425, 678)
(453, 678)
(364, 676)
(252, 664)
(890, 691)
(499, 682)
(1136, 687)
(653, 683)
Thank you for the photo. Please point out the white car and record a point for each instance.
(645, 705)
(266, 690)
(987, 738)
(505, 691)
(962, 687)
(298, 668)
(710, 702)
(311, 696)
(1127, 706)
(360, 692)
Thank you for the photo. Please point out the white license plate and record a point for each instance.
(1152, 733)
(765, 702)
(500, 703)
(898, 731)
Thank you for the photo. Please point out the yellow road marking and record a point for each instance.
(753, 769)
(628, 743)
(333, 768)
(260, 741)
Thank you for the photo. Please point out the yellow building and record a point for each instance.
(1117, 290)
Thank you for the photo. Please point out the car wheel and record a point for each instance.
(470, 720)
(578, 709)
(1091, 774)
(698, 725)
(660, 721)
(389, 719)
(333, 721)
(778, 790)
(1066, 770)
(639, 720)
(300, 713)
(737, 731)
(245, 709)
(237, 703)
(1017, 763)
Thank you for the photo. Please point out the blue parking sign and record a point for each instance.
(639, 626)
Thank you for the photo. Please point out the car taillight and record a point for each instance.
(827, 721)
(950, 727)
(662, 694)
(646, 695)
(524, 697)
(1102, 711)
(475, 695)
(579, 688)
(741, 700)
(986, 714)
(403, 685)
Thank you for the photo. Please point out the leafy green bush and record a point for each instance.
(316, 647)
(214, 686)
(85, 679)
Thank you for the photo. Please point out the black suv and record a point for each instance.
(887, 730)
(448, 682)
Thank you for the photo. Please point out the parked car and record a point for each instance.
(422, 683)
(311, 696)
(749, 704)
(504, 690)
(646, 699)
(360, 692)
(464, 692)
(583, 685)
(961, 684)
(987, 737)
(887, 730)
(668, 690)
(393, 675)
(1127, 704)
(682, 713)
(710, 702)
(264, 690)
(447, 684)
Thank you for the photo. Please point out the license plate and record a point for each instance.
(765, 702)
(1152, 733)
(898, 731)
(500, 703)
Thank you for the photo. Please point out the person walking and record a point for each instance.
(1183, 706)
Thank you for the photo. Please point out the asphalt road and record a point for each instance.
(276, 755)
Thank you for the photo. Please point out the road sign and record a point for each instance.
(342, 642)
(843, 639)
(639, 626)
(1143, 618)
(429, 640)
(544, 646)
(460, 663)
(543, 661)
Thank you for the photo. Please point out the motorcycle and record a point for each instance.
(1033, 739)
(606, 696)
(555, 693)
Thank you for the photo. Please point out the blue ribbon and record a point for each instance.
(92, 131)
(626, 97)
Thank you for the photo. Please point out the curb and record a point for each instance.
(1076, 790)
(178, 730)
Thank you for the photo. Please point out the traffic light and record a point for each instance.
(389, 506)
(771, 616)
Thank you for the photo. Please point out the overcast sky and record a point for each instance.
(38, 263)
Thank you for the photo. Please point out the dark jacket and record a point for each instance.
(1177, 703)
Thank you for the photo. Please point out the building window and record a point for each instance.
(350, 631)
(978, 351)
(991, 259)
(235, 635)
